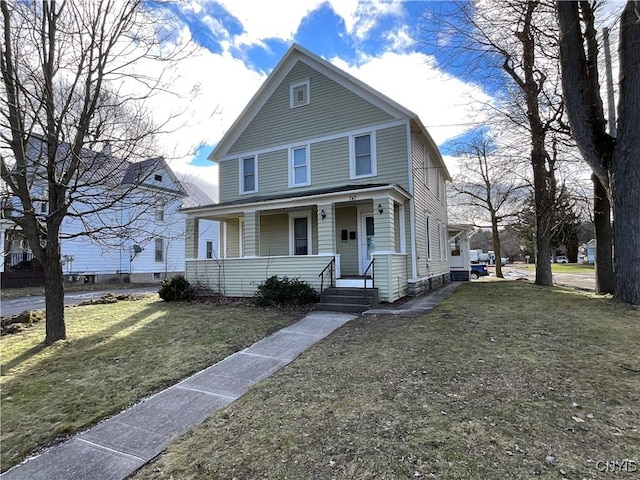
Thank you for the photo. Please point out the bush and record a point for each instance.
(176, 289)
(284, 291)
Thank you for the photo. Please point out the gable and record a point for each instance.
(331, 108)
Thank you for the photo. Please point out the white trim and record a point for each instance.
(292, 90)
(292, 216)
(414, 256)
(241, 233)
(372, 153)
(362, 212)
(323, 138)
(410, 164)
(403, 234)
(242, 191)
(292, 175)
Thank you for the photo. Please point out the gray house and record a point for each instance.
(325, 179)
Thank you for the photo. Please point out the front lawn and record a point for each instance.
(502, 380)
(115, 355)
(583, 268)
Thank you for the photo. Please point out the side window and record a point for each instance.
(428, 235)
(209, 249)
(248, 175)
(362, 156)
(159, 250)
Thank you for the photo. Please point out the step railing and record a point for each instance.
(330, 269)
(364, 275)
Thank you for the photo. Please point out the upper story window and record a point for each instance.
(299, 94)
(157, 177)
(44, 207)
(248, 175)
(160, 213)
(440, 186)
(363, 156)
(299, 171)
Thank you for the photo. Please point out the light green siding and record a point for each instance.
(273, 172)
(240, 277)
(391, 156)
(333, 108)
(330, 162)
(274, 235)
(233, 238)
(229, 178)
(427, 203)
(346, 219)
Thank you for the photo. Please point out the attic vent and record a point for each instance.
(299, 94)
(157, 178)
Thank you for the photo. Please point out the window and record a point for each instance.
(299, 172)
(159, 250)
(428, 235)
(299, 94)
(440, 185)
(43, 207)
(248, 177)
(443, 241)
(362, 161)
(160, 213)
(209, 249)
(157, 178)
(300, 228)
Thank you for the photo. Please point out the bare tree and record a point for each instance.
(74, 122)
(614, 161)
(488, 183)
(517, 38)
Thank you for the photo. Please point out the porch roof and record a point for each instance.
(334, 194)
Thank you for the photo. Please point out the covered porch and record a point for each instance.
(460, 253)
(346, 236)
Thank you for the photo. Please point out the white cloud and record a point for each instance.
(446, 105)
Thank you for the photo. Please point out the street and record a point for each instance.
(12, 306)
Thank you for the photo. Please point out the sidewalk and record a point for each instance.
(117, 447)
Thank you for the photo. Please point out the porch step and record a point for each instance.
(349, 300)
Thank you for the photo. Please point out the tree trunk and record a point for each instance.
(496, 246)
(544, 215)
(54, 295)
(626, 163)
(605, 279)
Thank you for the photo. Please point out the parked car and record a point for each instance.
(478, 270)
(562, 259)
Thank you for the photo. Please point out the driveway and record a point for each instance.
(12, 306)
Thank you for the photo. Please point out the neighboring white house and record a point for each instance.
(460, 253)
(145, 236)
(321, 178)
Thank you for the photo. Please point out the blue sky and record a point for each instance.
(240, 41)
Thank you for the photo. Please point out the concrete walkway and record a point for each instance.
(118, 446)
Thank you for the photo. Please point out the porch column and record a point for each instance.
(384, 224)
(192, 232)
(251, 233)
(326, 229)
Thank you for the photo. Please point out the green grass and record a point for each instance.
(564, 268)
(114, 355)
(496, 379)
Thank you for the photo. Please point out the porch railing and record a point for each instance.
(364, 275)
(330, 268)
(18, 261)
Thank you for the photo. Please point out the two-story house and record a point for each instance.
(124, 224)
(322, 173)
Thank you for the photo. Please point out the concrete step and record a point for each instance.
(348, 300)
(353, 299)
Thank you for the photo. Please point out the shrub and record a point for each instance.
(284, 291)
(176, 289)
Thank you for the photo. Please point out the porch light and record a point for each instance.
(380, 209)
(323, 214)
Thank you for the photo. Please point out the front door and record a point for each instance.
(367, 240)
